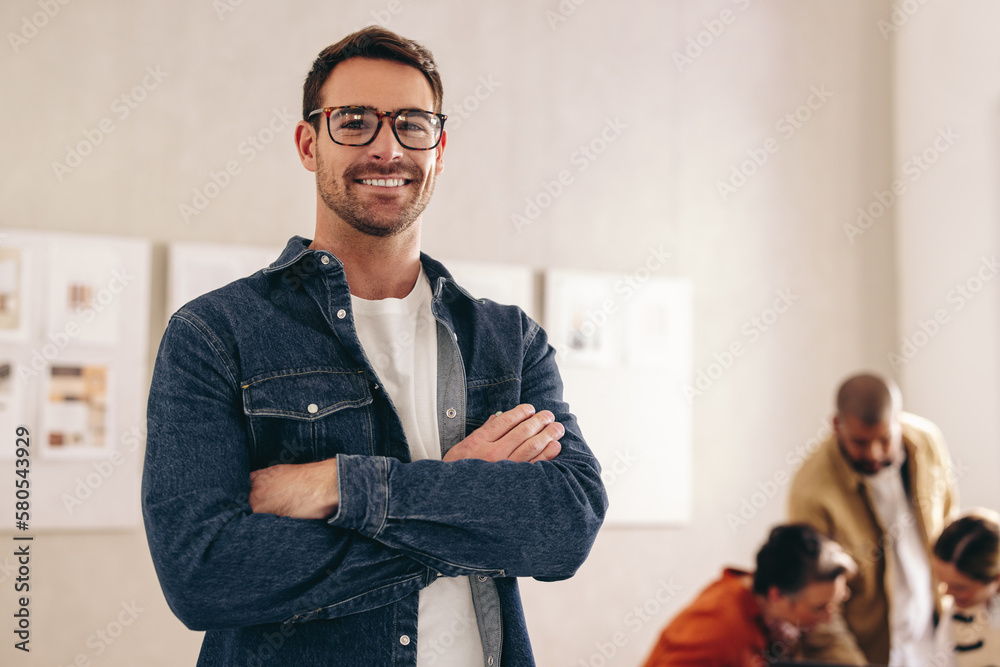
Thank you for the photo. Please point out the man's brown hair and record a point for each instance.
(796, 555)
(868, 397)
(372, 42)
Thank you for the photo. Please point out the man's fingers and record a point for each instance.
(529, 428)
(550, 452)
(519, 434)
(499, 425)
(531, 448)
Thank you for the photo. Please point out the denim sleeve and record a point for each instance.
(219, 564)
(519, 519)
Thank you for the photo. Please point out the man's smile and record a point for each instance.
(383, 182)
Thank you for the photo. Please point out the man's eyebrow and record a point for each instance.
(354, 106)
(371, 107)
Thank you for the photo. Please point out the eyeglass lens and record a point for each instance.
(356, 126)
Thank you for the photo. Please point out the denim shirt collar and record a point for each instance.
(443, 286)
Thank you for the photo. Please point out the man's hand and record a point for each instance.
(516, 435)
(300, 490)
(310, 490)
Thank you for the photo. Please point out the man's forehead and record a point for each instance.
(376, 83)
(855, 423)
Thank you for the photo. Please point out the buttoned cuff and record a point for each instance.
(363, 484)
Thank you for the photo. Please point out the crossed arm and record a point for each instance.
(310, 490)
(232, 547)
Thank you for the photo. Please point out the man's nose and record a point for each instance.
(385, 146)
(877, 450)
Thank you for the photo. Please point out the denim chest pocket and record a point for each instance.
(300, 417)
(487, 397)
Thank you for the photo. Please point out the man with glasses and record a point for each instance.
(350, 459)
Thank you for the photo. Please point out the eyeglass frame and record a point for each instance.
(391, 115)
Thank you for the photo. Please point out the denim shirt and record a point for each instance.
(269, 370)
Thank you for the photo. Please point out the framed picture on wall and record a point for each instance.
(85, 279)
(625, 349)
(77, 411)
(582, 320)
(11, 401)
(14, 301)
(74, 344)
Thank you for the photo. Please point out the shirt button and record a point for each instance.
(324, 260)
(313, 408)
(341, 313)
(483, 577)
(451, 412)
(489, 661)
(405, 640)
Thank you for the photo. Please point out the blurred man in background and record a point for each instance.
(882, 486)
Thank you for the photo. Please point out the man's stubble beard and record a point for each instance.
(337, 196)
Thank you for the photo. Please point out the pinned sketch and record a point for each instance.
(624, 351)
(74, 342)
(86, 281)
(77, 414)
(11, 402)
(658, 326)
(13, 301)
(584, 324)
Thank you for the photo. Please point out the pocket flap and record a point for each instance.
(306, 395)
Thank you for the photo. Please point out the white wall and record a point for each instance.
(782, 230)
(947, 59)
(553, 89)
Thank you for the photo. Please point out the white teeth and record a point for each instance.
(384, 182)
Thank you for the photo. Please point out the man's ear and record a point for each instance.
(305, 142)
(439, 161)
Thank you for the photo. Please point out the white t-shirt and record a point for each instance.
(911, 622)
(400, 338)
(969, 637)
